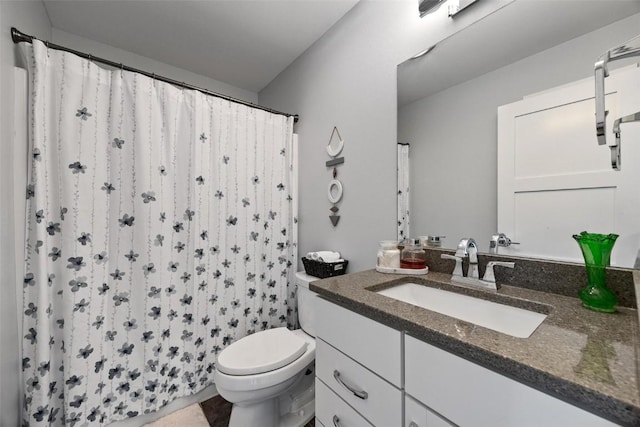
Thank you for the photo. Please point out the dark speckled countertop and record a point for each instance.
(588, 359)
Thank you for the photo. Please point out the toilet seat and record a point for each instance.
(278, 347)
(244, 383)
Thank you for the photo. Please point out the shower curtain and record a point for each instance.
(160, 229)
(403, 192)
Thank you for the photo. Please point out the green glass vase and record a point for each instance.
(596, 250)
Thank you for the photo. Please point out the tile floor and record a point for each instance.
(214, 412)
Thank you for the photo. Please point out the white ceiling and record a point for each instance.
(245, 43)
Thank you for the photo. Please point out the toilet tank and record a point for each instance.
(306, 302)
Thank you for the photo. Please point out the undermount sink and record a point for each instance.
(514, 321)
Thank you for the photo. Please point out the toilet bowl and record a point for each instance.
(269, 376)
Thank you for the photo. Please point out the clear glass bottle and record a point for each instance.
(413, 256)
(388, 254)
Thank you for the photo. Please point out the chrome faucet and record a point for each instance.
(498, 240)
(469, 248)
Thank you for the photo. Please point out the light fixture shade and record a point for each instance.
(426, 6)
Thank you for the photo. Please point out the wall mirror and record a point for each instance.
(448, 103)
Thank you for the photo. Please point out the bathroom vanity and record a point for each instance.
(384, 362)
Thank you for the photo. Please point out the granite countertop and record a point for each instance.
(588, 359)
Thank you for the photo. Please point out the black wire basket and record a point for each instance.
(323, 270)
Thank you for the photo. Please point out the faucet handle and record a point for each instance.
(457, 271)
(489, 275)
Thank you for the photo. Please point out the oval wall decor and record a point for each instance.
(335, 191)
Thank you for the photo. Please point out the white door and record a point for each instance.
(554, 180)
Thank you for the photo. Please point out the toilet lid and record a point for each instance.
(261, 352)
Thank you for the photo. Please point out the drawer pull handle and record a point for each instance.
(336, 421)
(358, 393)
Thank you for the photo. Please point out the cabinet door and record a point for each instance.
(417, 415)
(470, 395)
(377, 400)
(333, 412)
(372, 344)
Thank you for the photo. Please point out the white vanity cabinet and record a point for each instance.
(471, 395)
(418, 415)
(358, 369)
(334, 412)
(368, 374)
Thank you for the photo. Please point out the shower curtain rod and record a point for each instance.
(18, 36)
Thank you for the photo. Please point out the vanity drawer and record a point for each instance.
(418, 415)
(374, 345)
(471, 395)
(382, 405)
(332, 411)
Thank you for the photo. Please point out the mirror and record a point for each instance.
(447, 112)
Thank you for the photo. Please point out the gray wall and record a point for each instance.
(453, 134)
(348, 79)
(148, 64)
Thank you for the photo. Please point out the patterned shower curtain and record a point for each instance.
(160, 229)
(403, 192)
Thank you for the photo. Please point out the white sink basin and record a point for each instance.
(517, 322)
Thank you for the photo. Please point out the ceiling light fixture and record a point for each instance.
(428, 6)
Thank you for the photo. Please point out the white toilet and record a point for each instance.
(269, 375)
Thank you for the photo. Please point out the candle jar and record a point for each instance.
(388, 254)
